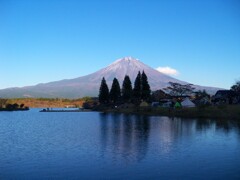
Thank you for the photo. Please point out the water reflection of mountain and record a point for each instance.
(130, 136)
(168, 132)
(125, 135)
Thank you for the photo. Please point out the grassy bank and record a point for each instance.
(47, 102)
(219, 112)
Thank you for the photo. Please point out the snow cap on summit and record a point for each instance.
(127, 58)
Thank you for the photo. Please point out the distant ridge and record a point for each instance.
(89, 85)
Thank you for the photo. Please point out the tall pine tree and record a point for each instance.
(103, 92)
(137, 89)
(127, 89)
(115, 92)
(145, 91)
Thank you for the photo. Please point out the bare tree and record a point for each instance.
(3, 102)
(177, 89)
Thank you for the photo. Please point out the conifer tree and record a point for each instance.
(137, 89)
(115, 92)
(145, 91)
(127, 89)
(103, 92)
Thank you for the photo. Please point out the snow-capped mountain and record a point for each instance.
(89, 85)
(130, 66)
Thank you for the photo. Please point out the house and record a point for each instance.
(158, 95)
(226, 97)
(202, 101)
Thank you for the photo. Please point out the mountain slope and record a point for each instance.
(89, 85)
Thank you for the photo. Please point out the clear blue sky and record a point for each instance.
(49, 40)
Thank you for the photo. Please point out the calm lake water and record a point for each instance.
(92, 145)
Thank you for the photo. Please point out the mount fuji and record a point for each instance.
(89, 85)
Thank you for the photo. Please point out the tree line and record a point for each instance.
(4, 106)
(127, 94)
(236, 87)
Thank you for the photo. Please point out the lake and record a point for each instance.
(93, 145)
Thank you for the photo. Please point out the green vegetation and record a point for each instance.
(137, 89)
(103, 92)
(236, 87)
(116, 96)
(131, 99)
(115, 92)
(4, 106)
(128, 99)
(145, 88)
(201, 94)
(127, 90)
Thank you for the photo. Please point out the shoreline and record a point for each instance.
(18, 109)
(65, 110)
(230, 112)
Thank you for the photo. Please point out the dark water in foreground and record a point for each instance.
(93, 145)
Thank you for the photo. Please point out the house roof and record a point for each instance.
(225, 93)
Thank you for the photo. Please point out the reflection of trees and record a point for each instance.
(228, 125)
(129, 136)
(203, 124)
(104, 130)
(238, 127)
(125, 135)
(225, 125)
(169, 131)
(141, 135)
